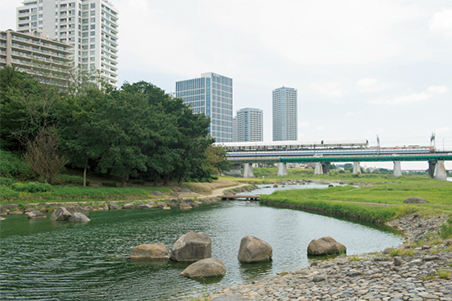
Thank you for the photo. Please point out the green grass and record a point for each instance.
(78, 193)
(380, 199)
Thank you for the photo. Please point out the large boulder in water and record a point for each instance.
(325, 246)
(192, 247)
(60, 214)
(209, 267)
(77, 208)
(79, 218)
(414, 201)
(36, 214)
(150, 251)
(253, 249)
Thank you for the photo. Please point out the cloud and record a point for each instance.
(303, 124)
(371, 85)
(326, 89)
(319, 128)
(367, 82)
(438, 89)
(441, 23)
(442, 130)
(402, 100)
(351, 114)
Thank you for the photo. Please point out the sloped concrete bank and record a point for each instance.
(418, 270)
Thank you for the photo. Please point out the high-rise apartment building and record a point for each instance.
(248, 123)
(90, 26)
(211, 94)
(285, 114)
(47, 60)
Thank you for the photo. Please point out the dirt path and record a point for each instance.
(219, 192)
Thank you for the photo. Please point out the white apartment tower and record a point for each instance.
(248, 125)
(90, 26)
(211, 94)
(285, 114)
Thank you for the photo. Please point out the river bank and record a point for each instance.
(418, 270)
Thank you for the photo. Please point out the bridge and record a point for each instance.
(325, 153)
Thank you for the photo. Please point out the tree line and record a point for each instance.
(136, 131)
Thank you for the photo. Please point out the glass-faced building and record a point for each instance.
(211, 94)
(248, 125)
(285, 114)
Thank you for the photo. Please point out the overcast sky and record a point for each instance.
(361, 68)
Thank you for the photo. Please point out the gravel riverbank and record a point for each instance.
(416, 271)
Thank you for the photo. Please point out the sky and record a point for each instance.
(362, 69)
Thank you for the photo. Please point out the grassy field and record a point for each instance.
(378, 197)
(70, 193)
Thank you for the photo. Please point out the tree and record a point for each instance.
(216, 160)
(26, 107)
(43, 155)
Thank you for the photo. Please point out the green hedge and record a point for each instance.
(74, 180)
(13, 167)
(31, 187)
(109, 183)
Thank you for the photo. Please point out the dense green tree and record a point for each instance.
(26, 106)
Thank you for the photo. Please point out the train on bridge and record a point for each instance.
(324, 148)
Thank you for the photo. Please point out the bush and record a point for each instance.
(13, 167)
(109, 183)
(6, 181)
(138, 182)
(74, 180)
(31, 187)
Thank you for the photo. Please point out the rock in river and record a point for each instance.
(253, 249)
(209, 267)
(36, 214)
(192, 247)
(60, 214)
(79, 217)
(325, 246)
(150, 251)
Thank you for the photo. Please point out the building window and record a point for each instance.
(93, 5)
(93, 26)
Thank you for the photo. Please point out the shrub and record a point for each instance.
(74, 180)
(6, 181)
(13, 167)
(109, 183)
(446, 229)
(138, 182)
(31, 187)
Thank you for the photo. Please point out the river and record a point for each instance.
(44, 260)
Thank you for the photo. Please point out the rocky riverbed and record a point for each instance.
(418, 270)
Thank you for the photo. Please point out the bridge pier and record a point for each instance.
(397, 169)
(248, 170)
(356, 168)
(235, 170)
(318, 168)
(326, 167)
(431, 168)
(282, 169)
(440, 171)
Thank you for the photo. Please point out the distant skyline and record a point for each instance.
(361, 68)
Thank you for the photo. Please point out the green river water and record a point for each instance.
(45, 260)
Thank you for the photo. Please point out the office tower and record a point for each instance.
(48, 60)
(234, 129)
(211, 94)
(90, 26)
(284, 114)
(249, 125)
